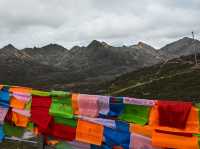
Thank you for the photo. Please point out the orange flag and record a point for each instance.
(174, 141)
(19, 119)
(15, 103)
(89, 132)
(17, 89)
(142, 130)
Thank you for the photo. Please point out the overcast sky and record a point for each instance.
(28, 23)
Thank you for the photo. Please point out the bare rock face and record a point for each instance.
(17, 67)
(182, 47)
(99, 61)
(49, 54)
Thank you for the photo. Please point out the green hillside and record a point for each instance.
(174, 79)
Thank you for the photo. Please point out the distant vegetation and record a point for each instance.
(175, 79)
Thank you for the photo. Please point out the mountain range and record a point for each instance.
(54, 66)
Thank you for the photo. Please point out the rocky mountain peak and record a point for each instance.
(75, 47)
(181, 42)
(53, 46)
(186, 39)
(181, 47)
(10, 51)
(9, 46)
(97, 44)
(142, 45)
(105, 44)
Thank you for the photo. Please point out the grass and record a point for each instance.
(175, 80)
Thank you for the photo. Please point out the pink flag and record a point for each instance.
(88, 105)
(26, 113)
(22, 96)
(140, 142)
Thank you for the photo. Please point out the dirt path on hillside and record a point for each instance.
(149, 82)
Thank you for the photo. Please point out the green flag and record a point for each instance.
(135, 114)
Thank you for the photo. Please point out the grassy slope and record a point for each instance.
(175, 79)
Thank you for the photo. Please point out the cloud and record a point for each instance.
(69, 22)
